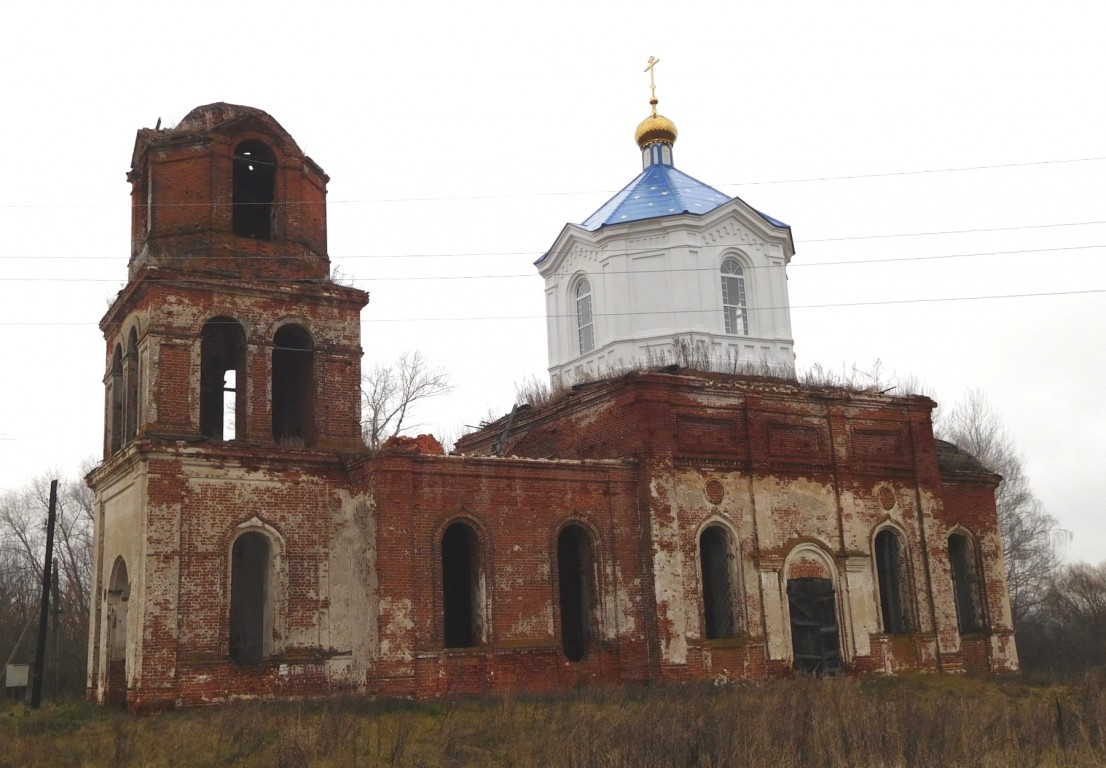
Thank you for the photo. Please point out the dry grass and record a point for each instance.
(908, 721)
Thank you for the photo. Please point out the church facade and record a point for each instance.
(660, 524)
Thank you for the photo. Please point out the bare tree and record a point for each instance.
(388, 393)
(1032, 538)
(22, 548)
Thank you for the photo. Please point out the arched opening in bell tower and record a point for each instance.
(115, 401)
(255, 170)
(130, 397)
(222, 379)
(293, 385)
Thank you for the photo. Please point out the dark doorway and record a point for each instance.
(254, 190)
(293, 385)
(716, 565)
(119, 595)
(891, 571)
(249, 595)
(576, 573)
(815, 638)
(460, 585)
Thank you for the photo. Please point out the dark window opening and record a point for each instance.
(460, 586)
(891, 571)
(293, 386)
(249, 595)
(131, 388)
(254, 190)
(716, 564)
(115, 401)
(576, 574)
(965, 584)
(222, 373)
(815, 639)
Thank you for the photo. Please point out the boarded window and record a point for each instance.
(293, 386)
(250, 615)
(717, 567)
(815, 638)
(461, 595)
(965, 584)
(255, 173)
(576, 576)
(223, 379)
(131, 388)
(891, 571)
(115, 401)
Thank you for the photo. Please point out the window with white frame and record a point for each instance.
(585, 328)
(734, 307)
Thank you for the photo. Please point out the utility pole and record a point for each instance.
(44, 606)
(57, 630)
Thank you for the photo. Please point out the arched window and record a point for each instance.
(115, 401)
(585, 327)
(293, 386)
(965, 584)
(462, 595)
(254, 190)
(716, 563)
(891, 571)
(223, 379)
(131, 388)
(578, 597)
(251, 614)
(734, 307)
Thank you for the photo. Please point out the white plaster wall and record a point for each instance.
(659, 279)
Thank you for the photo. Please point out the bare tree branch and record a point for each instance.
(388, 393)
(1032, 538)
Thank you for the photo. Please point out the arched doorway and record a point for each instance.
(119, 595)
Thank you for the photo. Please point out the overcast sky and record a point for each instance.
(942, 170)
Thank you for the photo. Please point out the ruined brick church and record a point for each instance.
(659, 524)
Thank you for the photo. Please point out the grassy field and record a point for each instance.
(928, 720)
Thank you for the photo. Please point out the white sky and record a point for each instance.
(461, 137)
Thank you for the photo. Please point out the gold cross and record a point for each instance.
(653, 61)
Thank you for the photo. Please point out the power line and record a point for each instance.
(528, 275)
(535, 254)
(517, 195)
(829, 305)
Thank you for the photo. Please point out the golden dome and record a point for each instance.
(653, 129)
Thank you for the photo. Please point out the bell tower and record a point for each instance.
(229, 327)
(232, 399)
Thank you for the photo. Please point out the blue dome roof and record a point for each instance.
(659, 190)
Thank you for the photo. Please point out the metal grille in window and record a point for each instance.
(733, 298)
